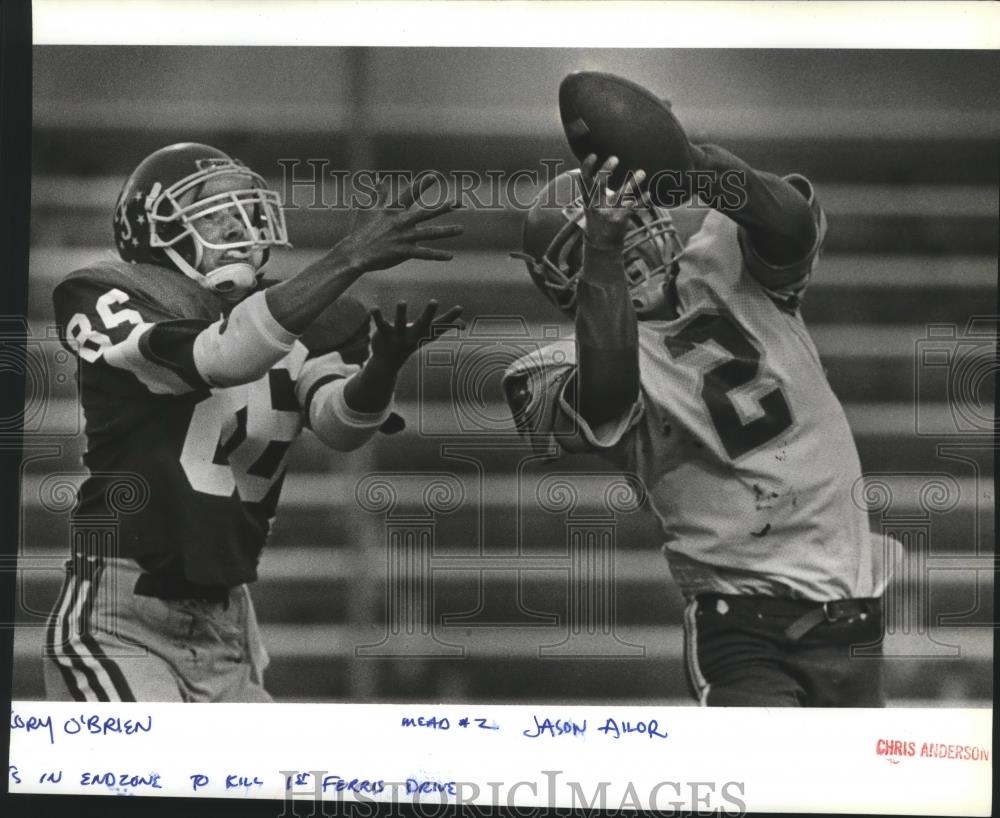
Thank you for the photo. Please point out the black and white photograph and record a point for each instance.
(474, 381)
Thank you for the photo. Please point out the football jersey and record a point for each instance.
(209, 461)
(743, 447)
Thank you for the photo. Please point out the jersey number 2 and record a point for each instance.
(773, 415)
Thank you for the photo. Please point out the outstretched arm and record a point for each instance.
(260, 330)
(381, 237)
(344, 407)
(606, 326)
(108, 323)
(392, 345)
(779, 218)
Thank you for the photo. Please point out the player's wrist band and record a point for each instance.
(605, 244)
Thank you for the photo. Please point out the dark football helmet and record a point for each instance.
(553, 247)
(154, 217)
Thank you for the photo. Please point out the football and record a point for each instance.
(609, 115)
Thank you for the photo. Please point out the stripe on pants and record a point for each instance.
(87, 671)
(698, 681)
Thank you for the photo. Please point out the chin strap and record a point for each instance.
(232, 281)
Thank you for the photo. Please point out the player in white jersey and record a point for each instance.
(692, 367)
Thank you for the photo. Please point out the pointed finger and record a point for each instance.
(382, 191)
(406, 194)
(449, 316)
(400, 315)
(424, 321)
(588, 189)
(380, 323)
(587, 167)
(436, 231)
(631, 186)
(422, 214)
(430, 254)
(604, 178)
(415, 189)
(590, 185)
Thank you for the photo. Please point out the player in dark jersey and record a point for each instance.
(196, 376)
(692, 367)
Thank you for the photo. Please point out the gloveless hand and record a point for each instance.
(607, 211)
(391, 232)
(395, 343)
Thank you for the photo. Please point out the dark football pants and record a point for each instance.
(738, 655)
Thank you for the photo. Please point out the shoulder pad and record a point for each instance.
(560, 353)
(172, 292)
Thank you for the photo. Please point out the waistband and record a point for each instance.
(160, 586)
(172, 588)
(806, 614)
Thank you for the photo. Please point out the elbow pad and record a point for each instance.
(243, 346)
